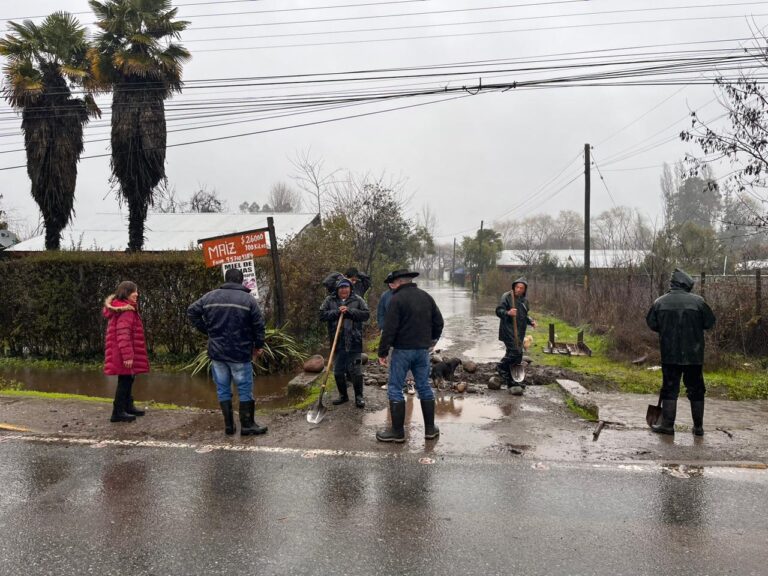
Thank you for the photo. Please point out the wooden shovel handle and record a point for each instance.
(514, 320)
(333, 348)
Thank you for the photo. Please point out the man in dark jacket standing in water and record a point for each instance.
(347, 360)
(233, 322)
(413, 324)
(680, 318)
(509, 314)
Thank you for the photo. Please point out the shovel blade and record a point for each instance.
(317, 413)
(653, 415)
(518, 373)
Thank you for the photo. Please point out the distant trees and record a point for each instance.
(480, 252)
(44, 63)
(283, 198)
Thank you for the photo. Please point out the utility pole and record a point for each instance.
(479, 270)
(453, 262)
(587, 169)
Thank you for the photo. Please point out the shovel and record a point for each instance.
(317, 413)
(653, 414)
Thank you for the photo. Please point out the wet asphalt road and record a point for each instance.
(70, 509)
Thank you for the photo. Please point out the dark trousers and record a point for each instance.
(512, 357)
(692, 376)
(347, 365)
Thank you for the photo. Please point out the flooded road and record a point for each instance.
(471, 324)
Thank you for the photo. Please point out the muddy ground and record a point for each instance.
(538, 425)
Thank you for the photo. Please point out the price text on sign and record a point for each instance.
(218, 251)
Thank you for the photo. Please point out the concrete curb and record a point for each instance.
(302, 382)
(580, 395)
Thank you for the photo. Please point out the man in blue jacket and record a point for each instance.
(234, 324)
(681, 318)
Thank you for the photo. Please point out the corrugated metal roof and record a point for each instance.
(162, 232)
(575, 258)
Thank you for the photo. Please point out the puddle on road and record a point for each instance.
(459, 409)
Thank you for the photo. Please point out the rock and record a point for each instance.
(315, 363)
(469, 367)
(364, 359)
(461, 387)
(494, 383)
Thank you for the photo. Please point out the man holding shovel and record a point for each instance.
(513, 321)
(680, 318)
(347, 362)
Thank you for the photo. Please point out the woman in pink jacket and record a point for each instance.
(125, 352)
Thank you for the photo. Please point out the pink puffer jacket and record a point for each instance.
(124, 340)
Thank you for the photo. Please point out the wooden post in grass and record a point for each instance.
(758, 293)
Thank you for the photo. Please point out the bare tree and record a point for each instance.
(283, 198)
(374, 207)
(311, 176)
(166, 200)
(206, 201)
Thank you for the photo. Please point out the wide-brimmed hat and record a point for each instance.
(395, 274)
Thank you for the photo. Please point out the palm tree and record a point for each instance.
(134, 55)
(43, 63)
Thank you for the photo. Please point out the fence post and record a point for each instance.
(703, 284)
(758, 293)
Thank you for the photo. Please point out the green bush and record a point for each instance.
(52, 301)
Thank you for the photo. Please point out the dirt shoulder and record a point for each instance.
(480, 422)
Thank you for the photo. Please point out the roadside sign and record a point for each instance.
(235, 247)
(248, 268)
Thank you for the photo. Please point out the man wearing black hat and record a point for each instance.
(413, 324)
(347, 361)
(513, 309)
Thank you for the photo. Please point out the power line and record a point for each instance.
(271, 11)
(270, 130)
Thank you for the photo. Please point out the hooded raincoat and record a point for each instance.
(680, 318)
(506, 326)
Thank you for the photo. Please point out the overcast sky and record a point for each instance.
(470, 159)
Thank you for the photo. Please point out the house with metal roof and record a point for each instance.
(598, 258)
(166, 231)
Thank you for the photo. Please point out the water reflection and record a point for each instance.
(172, 388)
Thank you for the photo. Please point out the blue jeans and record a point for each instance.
(417, 361)
(225, 372)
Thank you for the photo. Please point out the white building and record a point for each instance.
(166, 232)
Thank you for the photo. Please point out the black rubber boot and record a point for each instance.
(122, 395)
(397, 432)
(502, 370)
(341, 386)
(248, 426)
(428, 411)
(357, 384)
(697, 413)
(668, 414)
(131, 407)
(229, 417)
